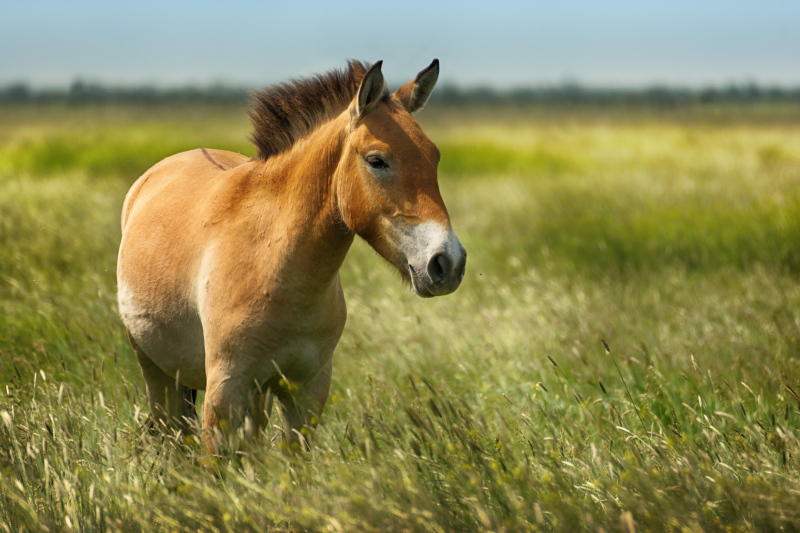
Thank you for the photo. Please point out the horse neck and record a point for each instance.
(302, 180)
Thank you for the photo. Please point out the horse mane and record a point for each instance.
(283, 113)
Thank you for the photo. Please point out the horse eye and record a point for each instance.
(376, 162)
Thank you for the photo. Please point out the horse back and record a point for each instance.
(183, 171)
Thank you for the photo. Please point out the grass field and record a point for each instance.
(674, 236)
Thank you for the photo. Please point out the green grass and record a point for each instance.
(674, 238)
(91, 141)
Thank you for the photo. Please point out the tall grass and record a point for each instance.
(674, 242)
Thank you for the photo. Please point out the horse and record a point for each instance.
(228, 267)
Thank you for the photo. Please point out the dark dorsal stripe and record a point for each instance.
(285, 112)
(213, 160)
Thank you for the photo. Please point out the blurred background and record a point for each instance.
(618, 170)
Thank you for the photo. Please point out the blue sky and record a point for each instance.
(503, 44)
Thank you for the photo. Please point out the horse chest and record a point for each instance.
(299, 359)
(297, 341)
(275, 328)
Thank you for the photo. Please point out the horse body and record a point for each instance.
(228, 268)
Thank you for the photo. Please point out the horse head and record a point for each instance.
(388, 189)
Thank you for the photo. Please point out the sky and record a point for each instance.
(617, 43)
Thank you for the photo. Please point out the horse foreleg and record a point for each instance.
(224, 408)
(260, 411)
(302, 410)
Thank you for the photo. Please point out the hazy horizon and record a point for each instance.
(618, 43)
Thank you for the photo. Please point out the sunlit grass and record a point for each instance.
(108, 141)
(676, 242)
(621, 196)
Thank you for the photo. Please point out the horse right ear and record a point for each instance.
(414, 95)
(370, 91)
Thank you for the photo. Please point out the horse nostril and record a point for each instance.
(439, 267)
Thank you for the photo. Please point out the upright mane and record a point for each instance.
(284, 112)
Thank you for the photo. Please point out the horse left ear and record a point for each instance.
(414, 95)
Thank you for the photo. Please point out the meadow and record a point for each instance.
(671, 235)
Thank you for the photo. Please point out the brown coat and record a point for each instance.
(228, 269)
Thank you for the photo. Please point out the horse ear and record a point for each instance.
(371, 90)
(414, 94)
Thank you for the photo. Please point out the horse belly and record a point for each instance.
(173, 341)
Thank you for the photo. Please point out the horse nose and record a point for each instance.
(446, 270)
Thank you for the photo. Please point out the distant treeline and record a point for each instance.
(569, 94)
(88, 93)
(572, 94)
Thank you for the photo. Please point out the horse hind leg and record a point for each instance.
(189, 411)
(169, 405)
(189, 403)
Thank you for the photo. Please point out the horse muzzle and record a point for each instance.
(439, 268)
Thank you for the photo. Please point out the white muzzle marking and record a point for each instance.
(434, 255)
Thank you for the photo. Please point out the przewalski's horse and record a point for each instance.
(228, 269)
